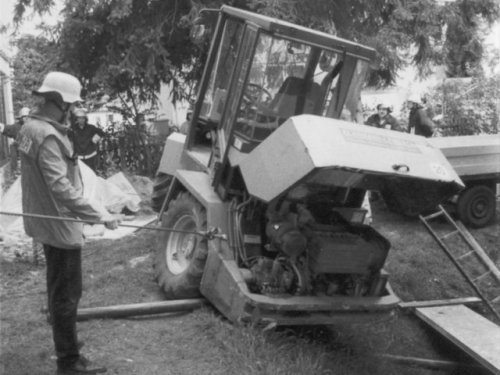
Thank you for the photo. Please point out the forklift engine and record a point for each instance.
(309, 248)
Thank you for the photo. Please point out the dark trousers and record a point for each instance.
(64, 289)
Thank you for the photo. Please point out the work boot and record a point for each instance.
(81, 366)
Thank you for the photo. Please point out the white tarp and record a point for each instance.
(113, 194)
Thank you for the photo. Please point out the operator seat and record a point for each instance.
(292, 92)
(325, 83)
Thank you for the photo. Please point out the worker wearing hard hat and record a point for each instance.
(419, 122)
(12, 130)
(383, 118)
(52, 187)
(85, 138)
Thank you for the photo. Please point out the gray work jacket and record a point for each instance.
(52, 184)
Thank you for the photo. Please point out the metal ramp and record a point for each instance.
(468, 256)
(471, 332)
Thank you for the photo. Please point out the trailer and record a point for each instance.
(476, 159)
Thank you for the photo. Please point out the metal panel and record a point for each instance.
(223, 285)
(174, 158)
(471, 155)
(199, 185)
(335, 152)
(172, 155)
(471, 332)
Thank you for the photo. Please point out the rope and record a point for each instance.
(209, 234)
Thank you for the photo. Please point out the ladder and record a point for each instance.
(469, 257)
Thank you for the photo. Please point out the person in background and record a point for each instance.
(184, 129)
(383, 118)
(11, 131)
(51, 186)
(85, 138)
(419, 122)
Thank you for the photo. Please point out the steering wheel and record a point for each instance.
(256, 94)
(256, 100)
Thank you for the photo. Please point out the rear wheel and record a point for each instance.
(160, 187)
(476, 206)
(181, 257)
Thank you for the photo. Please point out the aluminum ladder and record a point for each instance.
(469, 257)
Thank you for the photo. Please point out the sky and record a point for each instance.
(28, 27)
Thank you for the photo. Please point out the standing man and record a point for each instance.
(419, 122)
(12, 130)
(85, 138)
(383, 118)
(52, 186)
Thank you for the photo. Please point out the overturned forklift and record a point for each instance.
(276, 180)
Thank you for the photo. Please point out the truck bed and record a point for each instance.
(472, 157)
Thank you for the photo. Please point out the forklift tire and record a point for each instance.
(160, 187)
(476, 206)
(181, 257)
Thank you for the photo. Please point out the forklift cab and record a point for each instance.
(260, 72)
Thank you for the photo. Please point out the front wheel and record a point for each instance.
(476, 206)
(181, 256)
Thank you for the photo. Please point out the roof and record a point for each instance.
(301, 33)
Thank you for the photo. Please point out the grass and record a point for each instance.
(204, 342)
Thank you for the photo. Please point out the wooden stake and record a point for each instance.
(148, 308)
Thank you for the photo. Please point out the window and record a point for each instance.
(286, 78)
(215, 96)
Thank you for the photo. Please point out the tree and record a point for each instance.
(426, 31)
(127, 48)
(464, 50)
(35, 58)
(124, 48)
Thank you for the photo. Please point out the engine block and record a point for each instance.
(359, 251)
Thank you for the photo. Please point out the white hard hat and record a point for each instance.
(23, 112)
(66, 85)
(414, 98)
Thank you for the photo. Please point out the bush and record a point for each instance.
(469, 105)
(132, 149)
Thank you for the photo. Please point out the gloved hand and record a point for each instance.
(2, 127)
(111, 221)
(96, 138)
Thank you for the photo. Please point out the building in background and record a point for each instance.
(104, 118)
(6, 113)
(168, 115)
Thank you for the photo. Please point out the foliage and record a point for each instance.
(124, 48)
(128, 48)
(132, 149)
(469, 106)
(35, 58)
(392, 26)
(464, 48)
